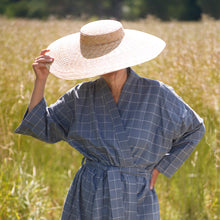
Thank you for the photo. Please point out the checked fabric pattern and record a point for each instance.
(149, 127)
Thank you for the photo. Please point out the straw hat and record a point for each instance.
(101, 47)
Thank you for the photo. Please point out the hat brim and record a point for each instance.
(70, 62)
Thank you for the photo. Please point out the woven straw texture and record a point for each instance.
(101, 47)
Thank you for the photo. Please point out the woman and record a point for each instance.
(128, 128)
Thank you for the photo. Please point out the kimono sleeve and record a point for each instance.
(50, 124)
(188, 130)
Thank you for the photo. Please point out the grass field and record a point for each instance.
(35, 176)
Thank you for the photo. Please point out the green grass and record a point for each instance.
(35, 176)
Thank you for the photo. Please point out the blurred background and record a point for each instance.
(120, 9)
(35, 176)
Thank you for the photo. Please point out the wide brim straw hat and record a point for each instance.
(101, 47)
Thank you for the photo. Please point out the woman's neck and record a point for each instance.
(116, 81)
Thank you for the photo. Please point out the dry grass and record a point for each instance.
(35, 176)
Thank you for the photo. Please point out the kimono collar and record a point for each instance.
(131, 78)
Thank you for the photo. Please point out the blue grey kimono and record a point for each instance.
(150, 127)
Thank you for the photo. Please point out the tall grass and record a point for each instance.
(35, 176)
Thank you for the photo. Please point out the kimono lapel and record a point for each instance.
(118, 187)
(119, 129)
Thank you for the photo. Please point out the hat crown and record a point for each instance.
(101, 32)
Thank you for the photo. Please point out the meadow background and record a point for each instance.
(35, 176)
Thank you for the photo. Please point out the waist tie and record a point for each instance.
(116, 188)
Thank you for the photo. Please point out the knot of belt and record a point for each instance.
(116, 187)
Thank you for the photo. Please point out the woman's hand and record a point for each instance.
(41, 72)
(39, 65)
(154, 178)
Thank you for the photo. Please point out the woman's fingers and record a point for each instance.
(40, 65)
(44, 59)
(43, 52)
(154, 176)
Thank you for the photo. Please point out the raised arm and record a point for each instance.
(50, 124)
(41, 72)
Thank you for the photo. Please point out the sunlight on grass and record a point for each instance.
(35, 176)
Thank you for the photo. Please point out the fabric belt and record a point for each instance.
(116, 187)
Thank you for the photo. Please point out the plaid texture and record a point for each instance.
(149, 127)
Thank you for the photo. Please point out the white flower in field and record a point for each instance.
(34, 171)
(69, 173)
(13, 189)
(195, 159)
